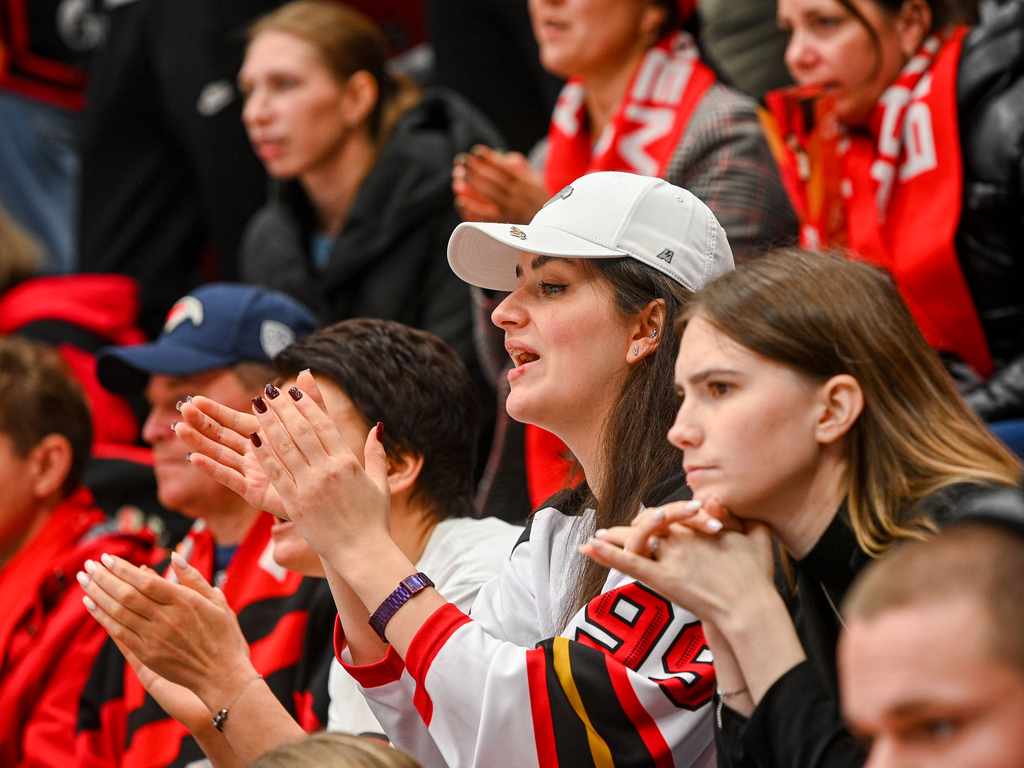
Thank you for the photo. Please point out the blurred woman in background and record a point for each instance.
(905, 143)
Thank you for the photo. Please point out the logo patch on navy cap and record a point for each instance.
(517, 232)
(188, 308)
(275, 336)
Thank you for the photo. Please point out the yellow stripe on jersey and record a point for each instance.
(598, 747)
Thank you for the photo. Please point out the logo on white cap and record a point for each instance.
(517, 232)
(563, 193)
(275, 336)
(667, 255)
(187, 308)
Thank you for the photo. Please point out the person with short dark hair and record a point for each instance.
(366, 371)
(49, 528)
(220, 339)
(931, 661)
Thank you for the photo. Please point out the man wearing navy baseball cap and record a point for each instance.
(218, 342)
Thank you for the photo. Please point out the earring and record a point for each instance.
(636, 351)
(653, 333)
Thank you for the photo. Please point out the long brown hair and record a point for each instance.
(825, 315)
(636, 453)
(348, 42)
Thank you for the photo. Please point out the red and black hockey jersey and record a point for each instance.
(48, 640)
(285, 617)
(627, 682)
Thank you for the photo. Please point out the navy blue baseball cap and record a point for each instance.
(215, 326)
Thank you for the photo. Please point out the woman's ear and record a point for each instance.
(842, 401)
(361, 94)
(652, 20)
(403, 471)
(49, 463)
(649, 328)
(913, 23)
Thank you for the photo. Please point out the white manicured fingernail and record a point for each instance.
(600, 532)
(89, 603)
(107, 560)
(658, 514)
(178, 560)
(693, 505)
(90, 567)
(714, 525)
(82, 579)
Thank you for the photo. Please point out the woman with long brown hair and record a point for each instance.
(561, 659)
(813, 412)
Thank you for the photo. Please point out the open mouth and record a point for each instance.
(521, 357)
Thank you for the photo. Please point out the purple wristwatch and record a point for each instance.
(410, 585)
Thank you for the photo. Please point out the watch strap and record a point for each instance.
(409, 586)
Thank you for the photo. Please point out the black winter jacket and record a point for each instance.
(797, 724)
(990, 238)
(390, 258)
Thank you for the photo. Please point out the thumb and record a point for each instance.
(376, 460)
(190, 577)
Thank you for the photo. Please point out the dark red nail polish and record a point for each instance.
(380, 432)
(296, 394)
(256, 439)
(271, 391)
(259, 405)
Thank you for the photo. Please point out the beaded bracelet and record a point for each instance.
(222, 716)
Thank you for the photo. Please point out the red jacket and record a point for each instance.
(79, 314)
(48, 640)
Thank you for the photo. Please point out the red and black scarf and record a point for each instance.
(648, 125)
(288, 622)
(891, 195)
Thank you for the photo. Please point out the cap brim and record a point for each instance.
(125, 370)
(486, 255)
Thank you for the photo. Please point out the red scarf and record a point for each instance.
(892, 197)
(643, 134)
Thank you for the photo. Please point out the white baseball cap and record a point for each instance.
(606, 215)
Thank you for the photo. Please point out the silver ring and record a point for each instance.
(652, 546)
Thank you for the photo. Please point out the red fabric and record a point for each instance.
(104, 305)
(429, 639)
(48, 640)
(251, 577)
(29, 74)
(540, 708)
(645, 725)
(646, 129)
(548, 463)
(902, 198)
(387, 670)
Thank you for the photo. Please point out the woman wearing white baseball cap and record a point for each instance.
(561, 659)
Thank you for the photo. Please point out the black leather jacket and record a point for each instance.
(990, 239)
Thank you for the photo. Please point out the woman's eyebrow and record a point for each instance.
(707, 373)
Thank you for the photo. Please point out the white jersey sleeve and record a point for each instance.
(460, 556)
(626, 683)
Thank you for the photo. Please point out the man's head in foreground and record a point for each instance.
(218, 342)
(931, 665)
